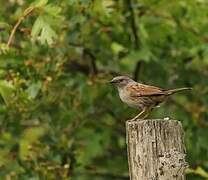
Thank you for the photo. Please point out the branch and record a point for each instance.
(137, 70)
(136, 38)
(133, 25)
(26, 13)
(93, 60)
(75, 66)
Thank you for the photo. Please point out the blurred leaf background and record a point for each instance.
(59, 117)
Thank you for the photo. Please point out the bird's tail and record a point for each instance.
(172, 91)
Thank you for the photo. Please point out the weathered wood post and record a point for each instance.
(156, 150)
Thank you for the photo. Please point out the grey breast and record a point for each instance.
(125, 97)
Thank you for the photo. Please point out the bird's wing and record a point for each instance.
(141, 90)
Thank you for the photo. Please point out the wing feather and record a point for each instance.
(141, 90)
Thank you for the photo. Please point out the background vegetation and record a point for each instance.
(59, 118)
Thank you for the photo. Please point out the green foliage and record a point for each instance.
(6, 91)
(59, 118)
(42, 29)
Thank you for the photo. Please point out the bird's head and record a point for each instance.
(121, 81)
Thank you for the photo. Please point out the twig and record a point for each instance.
(25, 14)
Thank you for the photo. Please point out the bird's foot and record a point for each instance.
(132, 120)
(135, 119)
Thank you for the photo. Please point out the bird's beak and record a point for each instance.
(112, 81)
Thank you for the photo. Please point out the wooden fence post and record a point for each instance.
(156, 150)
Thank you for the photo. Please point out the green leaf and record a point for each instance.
(143, 32)
(42, 31)
(34, 89)
(29, 137)
(108, 6)
(6, 91)
(47, 35)
(198, 171)
(3, 48)
(117, 48)
(129, 61)
(43, 28)
(3, 25)
(39, 3)
(38, 26)
(52, 10)
(104, 7)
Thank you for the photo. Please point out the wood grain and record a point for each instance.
(156, 150)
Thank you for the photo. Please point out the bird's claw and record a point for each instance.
(134, 119)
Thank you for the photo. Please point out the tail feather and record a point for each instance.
(172, 91)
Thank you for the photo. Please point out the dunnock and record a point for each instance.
(141, 96)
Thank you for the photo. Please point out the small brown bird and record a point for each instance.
(141, 96)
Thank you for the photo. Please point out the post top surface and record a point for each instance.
(142, 121)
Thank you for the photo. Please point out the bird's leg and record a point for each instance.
(148, 111)
(145, 115)
(139, 115)
(144, 112)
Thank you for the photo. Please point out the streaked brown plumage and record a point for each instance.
(141, 96)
